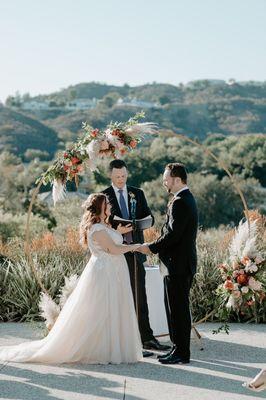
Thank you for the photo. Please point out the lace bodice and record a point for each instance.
(94, 247)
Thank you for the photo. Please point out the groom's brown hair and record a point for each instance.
(177, 170)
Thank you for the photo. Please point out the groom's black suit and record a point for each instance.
(177, 250)
(142, 211)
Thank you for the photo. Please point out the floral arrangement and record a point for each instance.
(49, 309)
(114, 141)
(243, 275)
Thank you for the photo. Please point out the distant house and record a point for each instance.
(47, 198)
(81, 104)
(134, 102)
(35, 105)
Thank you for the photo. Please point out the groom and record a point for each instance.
(119, 195)
(177, 251)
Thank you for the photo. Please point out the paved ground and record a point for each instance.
(215, 373)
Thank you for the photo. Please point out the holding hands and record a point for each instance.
(144, 249)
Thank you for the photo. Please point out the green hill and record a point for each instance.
(19, 133)
(196, 109)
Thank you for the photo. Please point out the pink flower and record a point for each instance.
(235, 265)
(236, 294)
(104, 145)
(251, 268)
(258, 259)
(235, 274)
(119, 145)
(254, 285)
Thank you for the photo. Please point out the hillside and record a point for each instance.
(196, 109)
(19, 133)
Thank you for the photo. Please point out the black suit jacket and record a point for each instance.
(177, 244)
(142, 210)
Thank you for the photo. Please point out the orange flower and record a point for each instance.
(133, 143)
(242, 279)
(95, 132)
(245, 260)
(228, 284)
(66, 167)
(75, 160)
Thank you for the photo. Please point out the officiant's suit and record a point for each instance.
(177, 250)
(142, 211)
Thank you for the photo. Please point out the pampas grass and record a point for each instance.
(49, 309)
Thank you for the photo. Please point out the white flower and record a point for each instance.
(93, 149)
(251, 268)
(231, 302)
(245, 289)
(254, 285)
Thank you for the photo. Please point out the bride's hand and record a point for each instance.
(124, 229)
(138, 246)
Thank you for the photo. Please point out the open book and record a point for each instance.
(141, 224)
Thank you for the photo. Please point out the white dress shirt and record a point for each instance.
(181, 190)
(125, 194)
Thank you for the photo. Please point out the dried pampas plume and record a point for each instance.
(49, 310)
(59, 191)
(244, 241)
(142, 128)
(67, 289)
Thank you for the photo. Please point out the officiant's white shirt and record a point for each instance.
(125, 195)
(181, 190)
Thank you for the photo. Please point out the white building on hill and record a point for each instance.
(134, 102)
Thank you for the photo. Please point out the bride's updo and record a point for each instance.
(92, 214)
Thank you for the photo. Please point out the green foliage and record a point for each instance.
(12, 226)
(20, 291)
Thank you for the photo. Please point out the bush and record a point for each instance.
(53, 259)
(12, 226)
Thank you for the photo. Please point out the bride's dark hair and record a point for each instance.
(92, 214)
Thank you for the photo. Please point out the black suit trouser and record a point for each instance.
(176, 298)
(146, 332)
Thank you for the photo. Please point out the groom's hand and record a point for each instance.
(144, 249)
(124, 229)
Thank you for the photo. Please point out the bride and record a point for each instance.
(97, 324)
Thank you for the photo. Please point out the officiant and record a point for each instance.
(125, 201)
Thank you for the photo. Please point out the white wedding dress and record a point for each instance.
(97, 324)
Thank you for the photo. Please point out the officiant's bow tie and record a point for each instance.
(124, 211)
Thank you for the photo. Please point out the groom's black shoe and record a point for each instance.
(153, 344)
(162, 356)
(174, 359)
(147, 354)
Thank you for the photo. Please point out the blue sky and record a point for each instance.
(51, 44)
